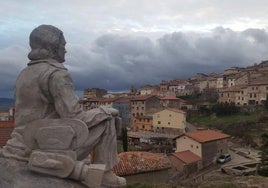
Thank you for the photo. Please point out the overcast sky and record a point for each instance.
(114, 44)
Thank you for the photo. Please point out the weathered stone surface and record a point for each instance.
(15, 174)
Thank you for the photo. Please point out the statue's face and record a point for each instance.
(61, 51)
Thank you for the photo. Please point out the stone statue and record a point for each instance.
(51, 132)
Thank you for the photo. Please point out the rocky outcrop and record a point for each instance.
(15, 174)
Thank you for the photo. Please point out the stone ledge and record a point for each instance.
(15, 173)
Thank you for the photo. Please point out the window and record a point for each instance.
(142, 108)
(252, 88)
(255, 95)
(170, 115)
(168, 123)
(192, 146)
(137, 108)
(196, 147)
(159, 122)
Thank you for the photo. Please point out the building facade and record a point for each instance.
(169, 121)
(207, 144)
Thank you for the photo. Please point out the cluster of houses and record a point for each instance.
(154, 111)
(194, 151)
(138, 108)
(159, 110)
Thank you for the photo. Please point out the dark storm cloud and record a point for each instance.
(116, 62)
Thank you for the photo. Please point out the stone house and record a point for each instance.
(207, 144)
(170, 102)
(242, 79)
(106, 101)
(144, 105)
(186, 162)
(148, 90)
(94, 93)
(219, 82)
(257, 92)
(228, 94)
(169, 121)
(144, 123)
(232, 70)
(177, 85)
(164, 86)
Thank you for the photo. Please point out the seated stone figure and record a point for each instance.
(51, 131)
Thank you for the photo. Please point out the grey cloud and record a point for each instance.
(12, 60)
(115, 62)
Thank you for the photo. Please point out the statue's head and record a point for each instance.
(47, 41)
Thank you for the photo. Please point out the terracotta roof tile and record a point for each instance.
(136, 162)
(187, 156)
(6, 123)
(142, 97)
(5, 133)
(170, 98)
(206, 135)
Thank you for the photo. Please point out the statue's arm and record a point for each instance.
(67, 103)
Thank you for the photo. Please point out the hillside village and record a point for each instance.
(163, 143)
(241, 86)
(154, 113)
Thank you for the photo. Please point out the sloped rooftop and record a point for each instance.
(136, 162)
(206, 135)
(187, 156)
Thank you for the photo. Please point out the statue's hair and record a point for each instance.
(44, 42)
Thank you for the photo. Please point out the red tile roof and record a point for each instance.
(136, 162)
(206, 135)
(142, 97)
(6, 123)
(187, 156)
(170, 98)
(5, 133)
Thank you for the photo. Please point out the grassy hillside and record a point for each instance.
(248, 127)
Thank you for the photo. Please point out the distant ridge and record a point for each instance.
(5, 103)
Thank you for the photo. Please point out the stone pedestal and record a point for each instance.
(15, 174)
